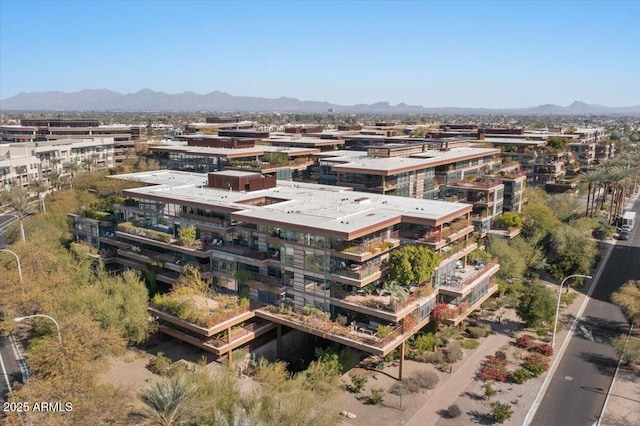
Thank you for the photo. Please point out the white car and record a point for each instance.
(625, 228)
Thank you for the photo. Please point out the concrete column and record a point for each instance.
(279, 342)
(401, 361)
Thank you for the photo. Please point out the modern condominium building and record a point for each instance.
(310, 257)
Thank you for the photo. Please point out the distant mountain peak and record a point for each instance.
(149, 100)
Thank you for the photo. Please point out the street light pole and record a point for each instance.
(555, 322)
(18, 319)
(19, 267)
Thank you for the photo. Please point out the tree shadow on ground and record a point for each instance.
(174, 349)
(605, 364)
(480, 418)
(474, 396)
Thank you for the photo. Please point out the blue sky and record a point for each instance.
(476, 54)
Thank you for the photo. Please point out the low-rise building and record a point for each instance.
(21, 163)
(41, 130)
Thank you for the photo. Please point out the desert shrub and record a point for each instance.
(425, 379)
(489, 390)
(500, 355)
(523, 341)
(568, 298)
(425, 342)
(469, 343)
(357, 383)
(521, 375)
(536, 363)
(494, 368)
(544, 349)
(377, 396)
(384, 331)
(453, 352)
(160, 364)
(431, 357)
(453, 411)
(501, 412)
(478, 331)
(341, 319)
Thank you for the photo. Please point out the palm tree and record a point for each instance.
(40, 187)
(18, 200)
(591, 179)
(21, 170)
(166, 402)
(54, 162)
(55, 180)
(72, 169)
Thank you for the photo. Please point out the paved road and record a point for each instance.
(578, 389)
(9, 368)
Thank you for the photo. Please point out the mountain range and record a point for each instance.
(149, 100)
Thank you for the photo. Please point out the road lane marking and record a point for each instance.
(6, 376)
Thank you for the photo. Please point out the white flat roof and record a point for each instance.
(166, 177)
(234, 152)
(358, 161)
(322, 209)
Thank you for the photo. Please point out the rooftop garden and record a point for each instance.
(192, 300)
(130, 228)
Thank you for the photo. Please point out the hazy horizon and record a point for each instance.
(434, 54)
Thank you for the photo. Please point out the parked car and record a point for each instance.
(625, 228)
(624, 235)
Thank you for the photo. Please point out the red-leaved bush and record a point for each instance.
(544, 349)
(523, 341)
(494, 368)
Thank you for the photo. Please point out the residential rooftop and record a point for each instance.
(322, 209)
(357, 161)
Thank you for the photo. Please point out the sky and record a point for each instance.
(500, 54)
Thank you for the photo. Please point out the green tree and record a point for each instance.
(412, 264)
(628, 298)
(508, 220)
(627, 350)
(187, 235)
(40, 187)
(501, 412)
(72, 169)
(120, 302)
(536, 305)
(18, 200)
(557, 142)
(167, 403)
(571, 252)
(538, 222)
(276, 158)
(512, 263)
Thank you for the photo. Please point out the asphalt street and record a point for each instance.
(577, 391)
(9, 368)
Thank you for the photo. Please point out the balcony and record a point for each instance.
(360, 272)
(367, 250)
(456, 313)
(204, 316)
(360, 335)
(462, 283)
(239, 336)
(240, 250)
(382, 306)
(266, 282)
